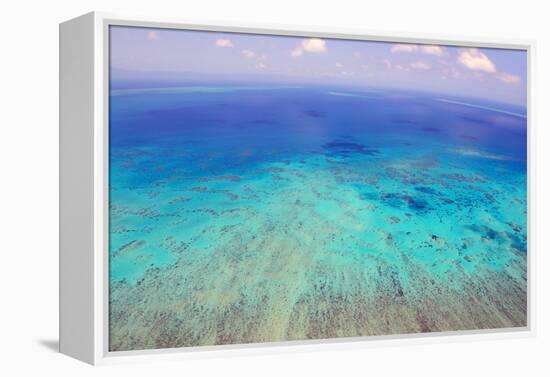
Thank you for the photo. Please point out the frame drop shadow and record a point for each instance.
(51, 344)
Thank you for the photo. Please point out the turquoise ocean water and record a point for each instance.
(244, 214)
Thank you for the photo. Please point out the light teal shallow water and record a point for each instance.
(342, 215)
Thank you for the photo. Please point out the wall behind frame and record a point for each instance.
(30, 184)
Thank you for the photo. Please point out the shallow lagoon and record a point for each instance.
(246, 214)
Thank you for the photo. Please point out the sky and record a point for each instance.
(171, 55)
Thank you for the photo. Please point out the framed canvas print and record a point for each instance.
(225, 187)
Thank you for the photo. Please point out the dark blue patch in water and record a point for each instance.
(347, 149)
(501, 238)
(398, 200)
(314, 113)
(426, 190)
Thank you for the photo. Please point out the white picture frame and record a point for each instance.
(84, 190)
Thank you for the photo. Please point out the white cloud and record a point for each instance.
(425, 49)
(508, 78)
(339, 65)
(152, 35)
(420, 65)
(224, 43)
(249, 54)
(312, 45)
(406, 67)
(400, 67)
(433, 50)
(474, 59)
(297, 52)
(404, 47)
